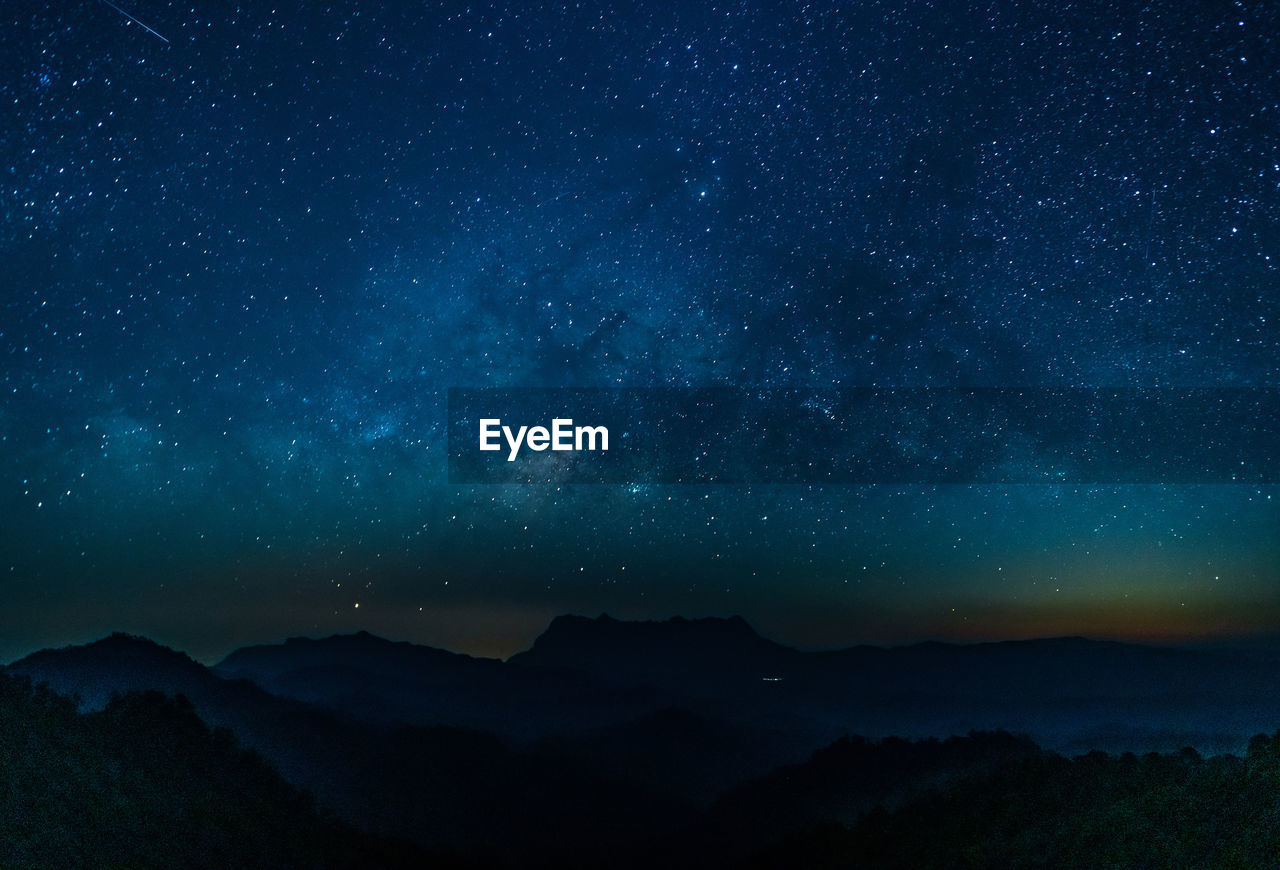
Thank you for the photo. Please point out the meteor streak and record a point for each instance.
(136, 21)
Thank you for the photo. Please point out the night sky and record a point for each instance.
(245, 255)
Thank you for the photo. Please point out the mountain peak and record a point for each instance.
(125, 641)
(573, 621)
(117, 646)
(647, 649)
(119, 662)
(362, 638)
(351, 653)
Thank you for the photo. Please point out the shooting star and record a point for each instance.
(136, 21)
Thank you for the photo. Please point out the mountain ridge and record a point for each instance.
(586, 673)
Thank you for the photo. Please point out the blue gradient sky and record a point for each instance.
(243, 266)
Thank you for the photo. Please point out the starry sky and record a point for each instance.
(247, 251)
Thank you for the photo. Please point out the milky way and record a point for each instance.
(241, 269)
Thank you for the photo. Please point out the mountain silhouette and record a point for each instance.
(582, 675)
(661, 652)
(144, 783)
(679, 752)
(839, 784)
(1068, 693)
(116, 664)
(990, 800)
(367, 677)
(607, 738)
(442, 787)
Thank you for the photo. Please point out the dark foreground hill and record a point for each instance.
(840, 784)
(444, 788)
(681, 743)
(144, 783)
(1041, 810)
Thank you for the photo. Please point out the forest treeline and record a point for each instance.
(144, 783)
(141, 781)
(1044, 810)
